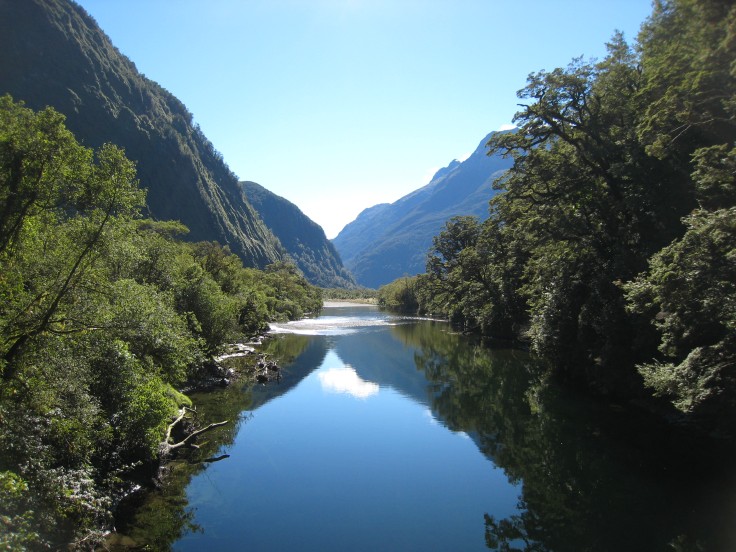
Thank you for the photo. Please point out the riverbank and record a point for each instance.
(342, 296)
(217, 402)
(586, 472)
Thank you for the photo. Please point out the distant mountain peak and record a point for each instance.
(388, 241)
(444, 171)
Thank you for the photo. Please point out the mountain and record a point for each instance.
(303, 239)
(54, 53)
(388, 241)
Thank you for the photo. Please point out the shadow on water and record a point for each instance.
(594, 476)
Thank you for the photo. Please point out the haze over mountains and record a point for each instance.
(388, 241)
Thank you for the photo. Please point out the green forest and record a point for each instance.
(610, 249)
(103, 316)
(609, 252)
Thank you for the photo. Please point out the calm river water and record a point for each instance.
(390, 433)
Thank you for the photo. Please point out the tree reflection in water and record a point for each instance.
(159, 518)
(596, 476)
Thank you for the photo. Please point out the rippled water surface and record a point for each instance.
(342, 320)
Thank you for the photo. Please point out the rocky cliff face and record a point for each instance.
(388, 241)
(303, 239)
(54, 53)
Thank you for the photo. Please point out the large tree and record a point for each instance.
(611, 244)
(588, 202)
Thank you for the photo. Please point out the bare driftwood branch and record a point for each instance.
(172, 425)
(192, 435)
(167, 446)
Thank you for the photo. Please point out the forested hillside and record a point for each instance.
(303, 239)
(611, 246)
(103, 315)
(54, 54)
(389, 240)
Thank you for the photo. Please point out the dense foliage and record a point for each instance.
(399, 295)
(611, 246)
(102, 315)
(362, 295)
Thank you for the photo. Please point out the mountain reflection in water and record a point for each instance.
(340, 455)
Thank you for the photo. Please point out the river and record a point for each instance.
(393, 433)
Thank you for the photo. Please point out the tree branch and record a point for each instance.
(166, 447)
(192, 435)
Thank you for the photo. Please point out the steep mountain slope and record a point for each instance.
(53, 53)
(387, 241)
(304, 239)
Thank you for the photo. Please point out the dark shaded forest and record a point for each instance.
(610, 249)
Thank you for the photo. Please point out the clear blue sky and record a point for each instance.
(338, 105)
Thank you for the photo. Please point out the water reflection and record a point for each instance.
(594, 476)
(591, 475)
(158, 519)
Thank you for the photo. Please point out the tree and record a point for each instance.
(59, 203)
(689, 292)
(687, 54)
(586, 203)
(400, 295)
(458, 234)
(690, 289)
(615, 214)
(101, 314)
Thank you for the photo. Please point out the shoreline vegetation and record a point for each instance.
(355, 295)
(104, 316)
(350, 302)
(208, 421)
(610, 249)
